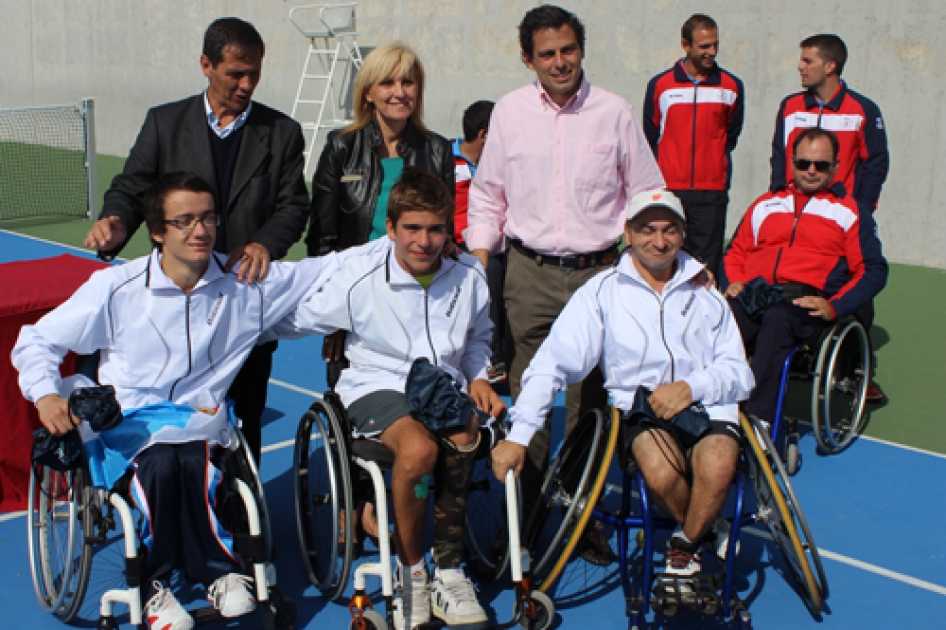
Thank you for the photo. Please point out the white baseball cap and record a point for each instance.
(655, 199)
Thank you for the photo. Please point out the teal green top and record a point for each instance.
(425, 281)
(392, 168)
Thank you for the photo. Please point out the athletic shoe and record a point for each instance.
(720, 534)
(497, 374)
(231, 595)
(412, 601)
(453, 599)
(164, 612)
(595, 548)
(682, 558)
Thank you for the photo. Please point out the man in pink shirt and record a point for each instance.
(561, 159)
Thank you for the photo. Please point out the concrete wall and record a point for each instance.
(131, 54)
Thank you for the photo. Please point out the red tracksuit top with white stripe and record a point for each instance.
(859, 125)
(693, 127)
(828, 244)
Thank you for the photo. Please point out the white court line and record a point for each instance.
(295, 388)
(11, 515)
(866, 566)
(43, 240)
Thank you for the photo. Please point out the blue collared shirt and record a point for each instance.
(214, 121)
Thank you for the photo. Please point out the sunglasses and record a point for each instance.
(822, 166)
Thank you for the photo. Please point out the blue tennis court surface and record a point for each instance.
(877, 512)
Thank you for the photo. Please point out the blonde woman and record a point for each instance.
(361, 162)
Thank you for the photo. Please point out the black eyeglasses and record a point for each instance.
(822, 166)
(187, 222)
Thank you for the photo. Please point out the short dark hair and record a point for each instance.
(548, 16)
(830, 47)
(157, 194)
(813, 133)
(419, 189)
(231, 32)
(697, 21)
(476, 117)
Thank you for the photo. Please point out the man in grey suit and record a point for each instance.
(252, 154)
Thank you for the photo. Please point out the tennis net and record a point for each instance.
(47, 161)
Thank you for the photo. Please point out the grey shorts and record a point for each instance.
(373, 413)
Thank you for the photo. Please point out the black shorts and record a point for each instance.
(630, 434)
(373, 413)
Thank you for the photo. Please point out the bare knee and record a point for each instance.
(660, 461)
(715, 459)
(415, 452)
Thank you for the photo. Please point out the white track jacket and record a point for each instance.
(159, 344)
(391, 320)
(638, 337)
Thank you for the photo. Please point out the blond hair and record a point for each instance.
(391, 59)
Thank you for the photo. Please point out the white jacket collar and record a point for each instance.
(397, 276)
(687, 269)
(157, 279)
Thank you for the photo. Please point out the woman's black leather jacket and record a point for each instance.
(348, 178)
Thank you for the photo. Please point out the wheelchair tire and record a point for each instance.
(778, 507)
(485, 542)
(248, 471)
(570, 490)
(839, 388)
(60, 557)
(323, 498)
(372, 621)
(544, 613)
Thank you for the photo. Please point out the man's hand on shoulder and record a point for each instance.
(54, 414)
(106, 234)
(670, 399)
(486, 399)
(734, 289)
(254, 262)
(507, 455)
(818, 307)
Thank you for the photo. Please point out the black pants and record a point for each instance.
(706, 224)
(178, 490)
(248, 392)
(496, 279)
(782, 326)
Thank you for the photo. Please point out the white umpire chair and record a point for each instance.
(331, 61)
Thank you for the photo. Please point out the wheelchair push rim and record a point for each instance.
(60, 559)
(485, 524)
(836, 434)
(778, 507)
(323, 499)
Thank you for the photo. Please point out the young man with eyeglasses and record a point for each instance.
(812, 241)
(172, 329)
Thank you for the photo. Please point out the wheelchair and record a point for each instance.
(839, 362)
(570, 497)
(326, 462)
(71, 522)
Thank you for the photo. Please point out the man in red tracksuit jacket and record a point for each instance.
(814, 242)
(693, 116)
(828, 103)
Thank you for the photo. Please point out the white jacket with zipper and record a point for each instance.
(639, 337)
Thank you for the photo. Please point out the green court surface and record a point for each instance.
(907, 338)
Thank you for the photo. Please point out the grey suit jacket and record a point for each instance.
(268, 204)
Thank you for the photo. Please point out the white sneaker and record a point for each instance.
(164, 612)
(411, 601)
(721, 529)
(453, 598)
(231, 595)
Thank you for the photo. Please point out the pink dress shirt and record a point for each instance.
(558, 179)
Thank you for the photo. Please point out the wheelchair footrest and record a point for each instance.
(699, 592)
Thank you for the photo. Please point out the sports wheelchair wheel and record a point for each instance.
(323, 497)
(60, 558)
(839, 388)
(569, 493)
(778, 507)
(484, 534)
